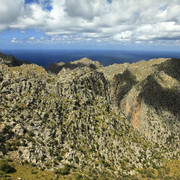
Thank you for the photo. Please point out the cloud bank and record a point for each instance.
(115, 21)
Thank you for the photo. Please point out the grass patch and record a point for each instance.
(28, 172)
(171, 170)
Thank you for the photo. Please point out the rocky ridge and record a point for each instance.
(147, 93)
(107, 121)
(84, 62)
(11, 60)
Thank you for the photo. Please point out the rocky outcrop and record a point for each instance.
(100, 119)
(85, 62)
(11, 60)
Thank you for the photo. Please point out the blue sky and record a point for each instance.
(90, 24)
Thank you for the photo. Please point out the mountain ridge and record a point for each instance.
(11, 61)
(112, 120)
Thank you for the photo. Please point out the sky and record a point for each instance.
(90, 24)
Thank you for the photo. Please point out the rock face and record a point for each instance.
(110, 119)
(148, 94)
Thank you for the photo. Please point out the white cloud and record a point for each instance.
(15, 40)
(98, 20)
(79, 8)
(32, 38)
(10, 10)
(32, 16)
(138, 42)
(162, 30)
(124, 36)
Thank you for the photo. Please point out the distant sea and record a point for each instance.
(105, 57)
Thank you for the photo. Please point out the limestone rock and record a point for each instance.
(84, 62)
(94, 117)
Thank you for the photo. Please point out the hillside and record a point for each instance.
(81, 119)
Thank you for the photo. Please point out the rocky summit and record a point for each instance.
(83, 120)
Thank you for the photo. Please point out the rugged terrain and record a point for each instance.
(109, 122)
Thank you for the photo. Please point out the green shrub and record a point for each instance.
(149, 173)
(5, 167)
(167, 170)
(31, 134)
(78, 176)
(43, 157)
(59, 158)
(76, 160)
(63, 171)
(33, 171)
(2, 174)
(105, 163)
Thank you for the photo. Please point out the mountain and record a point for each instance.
(148, 95)
(85, 62)
(11, 60)
(84, 120)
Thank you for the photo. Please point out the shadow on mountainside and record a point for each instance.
(171, 68)
(10, 60)
(122, 84)
(159, 97)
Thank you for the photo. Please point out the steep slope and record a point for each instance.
(148, 94)
(81, 120)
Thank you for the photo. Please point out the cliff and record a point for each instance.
(148, 94)
(101, 121)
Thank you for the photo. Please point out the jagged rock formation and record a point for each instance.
(85, 62)
(91, 116)
(11, 60)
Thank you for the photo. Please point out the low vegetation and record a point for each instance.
(79, 125)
